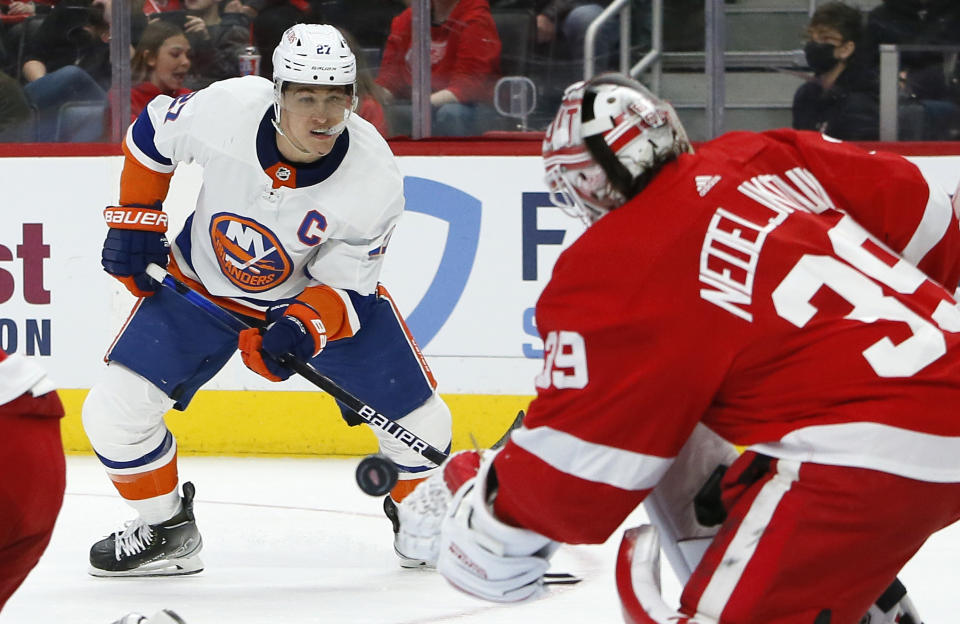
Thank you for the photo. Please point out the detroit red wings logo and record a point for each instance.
(249, 254)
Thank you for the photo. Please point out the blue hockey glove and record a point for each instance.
(298, 332)
(135, 239)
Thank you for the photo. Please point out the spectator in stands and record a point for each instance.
(563, 24)
(14, 108)
(152, 7)
(368, 20)
(841, 100)
(371, 106)
(923, 82)
(465, 64)
(271, 18)
(216, 40)
(159, 65)
(67, 61)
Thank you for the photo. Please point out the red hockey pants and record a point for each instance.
(809, 543)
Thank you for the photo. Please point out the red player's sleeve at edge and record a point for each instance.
(534, 495)
(44, 406)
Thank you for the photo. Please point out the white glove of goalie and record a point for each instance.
(481, 555)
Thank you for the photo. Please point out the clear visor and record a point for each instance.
(331, 104)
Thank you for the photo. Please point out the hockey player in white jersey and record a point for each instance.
(299, 199)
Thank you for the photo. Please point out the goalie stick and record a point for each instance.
(369, 415)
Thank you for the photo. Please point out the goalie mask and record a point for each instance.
(316, 55)
(608, 140)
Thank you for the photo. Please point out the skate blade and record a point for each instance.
(165, 567)
(415, 564)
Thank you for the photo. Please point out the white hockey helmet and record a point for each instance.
(314, 54)
(608, 140)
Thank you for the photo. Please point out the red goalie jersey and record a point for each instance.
(770, 289)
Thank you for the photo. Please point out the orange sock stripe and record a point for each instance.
(382, 291)
(143, 485)
(404, 488)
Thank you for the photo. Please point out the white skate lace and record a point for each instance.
(134, 538)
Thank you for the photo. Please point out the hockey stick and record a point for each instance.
(371, 416)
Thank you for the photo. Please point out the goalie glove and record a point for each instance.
(297, 330)
(136, 238)
(481, 555)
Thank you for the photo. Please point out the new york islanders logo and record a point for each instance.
(249, 254)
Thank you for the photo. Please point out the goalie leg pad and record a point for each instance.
(638, 580)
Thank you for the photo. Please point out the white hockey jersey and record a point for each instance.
(264, 229)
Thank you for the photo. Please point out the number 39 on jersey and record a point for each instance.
(564, 361)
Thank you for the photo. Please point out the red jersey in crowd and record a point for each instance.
(141, 94)
(464, 54)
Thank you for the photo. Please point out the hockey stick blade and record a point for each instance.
(371, 416)
(516, 424)
(560, 578)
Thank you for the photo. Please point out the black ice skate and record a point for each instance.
(166, 549)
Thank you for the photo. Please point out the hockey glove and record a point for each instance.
(482, 556)
(298, 331)
(136, 238)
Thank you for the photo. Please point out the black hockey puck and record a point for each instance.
(376, 475)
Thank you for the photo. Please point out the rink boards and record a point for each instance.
(466, 265)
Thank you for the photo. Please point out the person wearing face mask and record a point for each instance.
(841, 99)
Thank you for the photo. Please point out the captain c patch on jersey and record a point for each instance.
(249, 254)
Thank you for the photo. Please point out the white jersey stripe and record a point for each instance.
(875, 446)
(142, 157)
(933, 225)
(741, 548)
(569, 454)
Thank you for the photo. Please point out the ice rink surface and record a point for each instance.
(294, 541)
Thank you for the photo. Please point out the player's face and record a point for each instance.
(171, 64)
(309, 110)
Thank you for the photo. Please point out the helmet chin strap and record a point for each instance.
(276, 126)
